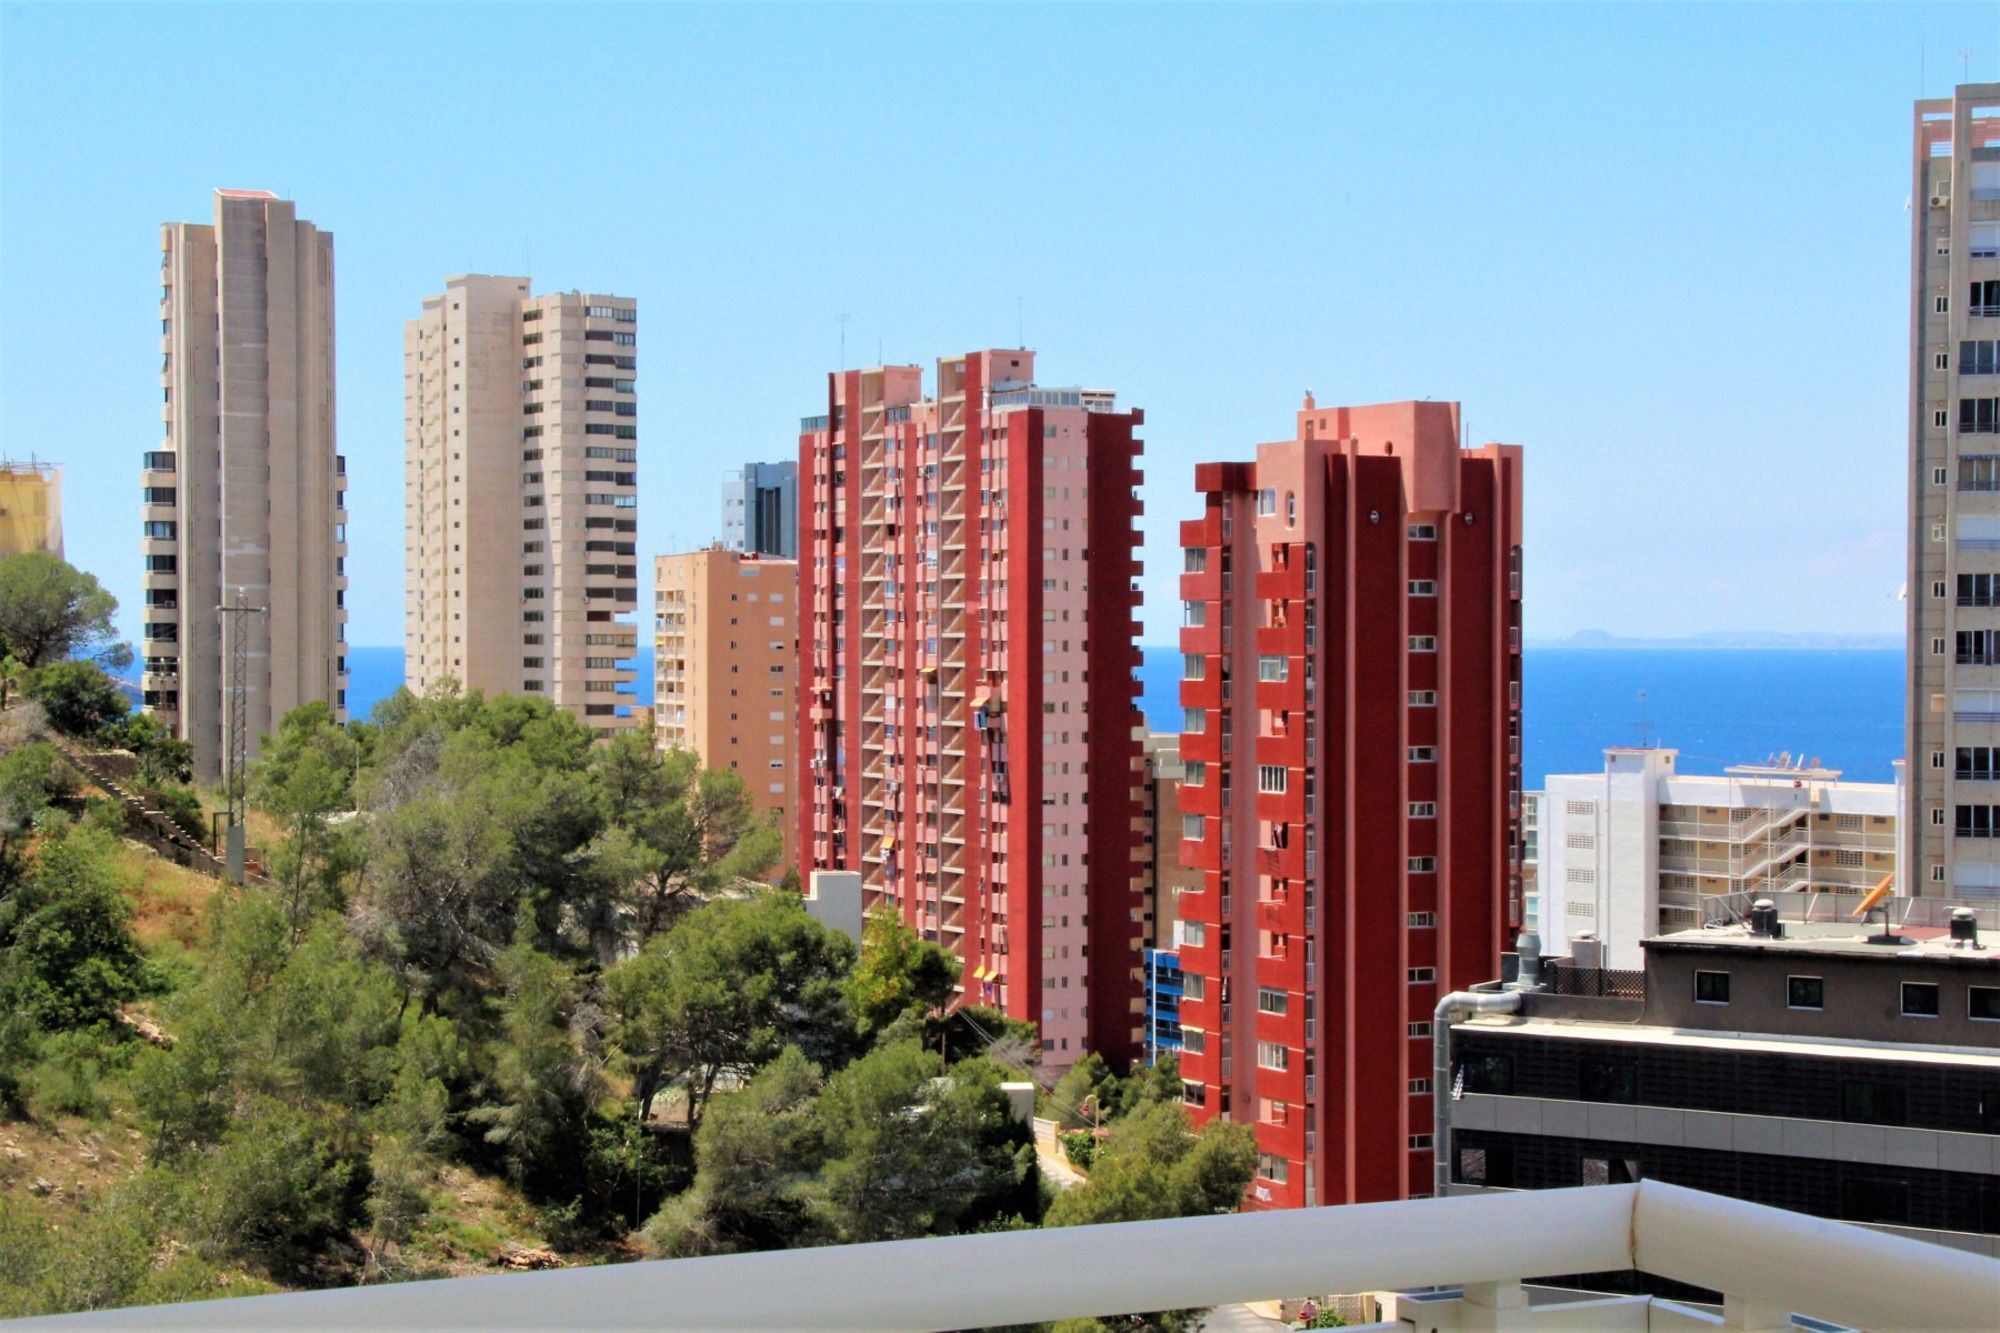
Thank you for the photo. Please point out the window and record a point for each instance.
(1271, 778)
(1272, 1001)
(1423, 643)
(1711, 988)
(1194, 667)
(1978, 416)
(1420, 1029)
(1609, 1170)
(1194, 721)
(1423, 809)
(1194, 773)
(1194, 614)
(1194, 560)
(1983, 1003)
(1419, 1086)
(1420, 1142)
(1602, 1080)
(1865, 1102)
(1980, 763)
(1271, 667)
(1193, 1040)
(1422, 976)
(1805, 992)
(1920, 999)
(1976, 647)
(1422, 865)
(1423, 587)
(1192, 827)
(1979, 589)
(1979, 472)
(1194, 934)
(1423, 754)
(1979, 358)
(1423, 532)
(1493, 1074)
(1273, 1168)
(1423, 698)
(159, 531)
(1422, 920)
(1267, 503)
(1270, 1055)
(1875, 1199)
(1975, 821)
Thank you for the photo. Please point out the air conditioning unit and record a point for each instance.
(1940, 201)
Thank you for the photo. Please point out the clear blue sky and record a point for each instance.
(1666, 249)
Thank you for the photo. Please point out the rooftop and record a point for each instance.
(1837, 938)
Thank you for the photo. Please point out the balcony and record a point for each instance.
(1766, 1262)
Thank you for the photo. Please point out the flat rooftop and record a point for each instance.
(1842, 938)
(1843, 1048)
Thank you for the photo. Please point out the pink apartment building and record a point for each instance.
(968, 604)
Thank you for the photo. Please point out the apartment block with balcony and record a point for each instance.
(725, 646)
(1952, 704)
(1163, 883)
(30, 508)
(1642, 849)
(1351, 788)
(520, 485)
(968, 602)
(243, 500)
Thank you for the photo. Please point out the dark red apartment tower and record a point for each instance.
(1352, 686)
(967, 657)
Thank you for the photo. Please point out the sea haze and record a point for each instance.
(1716, 706)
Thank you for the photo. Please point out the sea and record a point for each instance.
(1717, 706)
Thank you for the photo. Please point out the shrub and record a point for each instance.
(1080, 1146)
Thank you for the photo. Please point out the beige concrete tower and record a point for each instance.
(520, 491)
(245, 494)
(1951, 828)
(725, 635)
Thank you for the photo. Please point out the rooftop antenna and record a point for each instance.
(1965, 66)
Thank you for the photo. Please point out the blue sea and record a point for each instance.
(1716, 706)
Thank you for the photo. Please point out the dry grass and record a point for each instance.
(169, 903)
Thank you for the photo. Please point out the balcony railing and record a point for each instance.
(1764, 1261)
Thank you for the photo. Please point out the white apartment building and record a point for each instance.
(520, 484)
(1641, 849)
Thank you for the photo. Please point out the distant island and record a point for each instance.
(1725, 640)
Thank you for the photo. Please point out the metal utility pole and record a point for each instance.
(237, 725)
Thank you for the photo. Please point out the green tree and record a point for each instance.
(898, 972)
(757, 1155)
(67, 955)
(545, 1078)
(79, 699)
(914, 1152)
(1151, 1167)
(162, 758)
(31, 776)
(51, 610)
(677, 832)
(304, 776)
(720, 994)
(1086, 1093)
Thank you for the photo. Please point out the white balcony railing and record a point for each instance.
(1765, 1262)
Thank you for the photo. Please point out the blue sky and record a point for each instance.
(1666, 249)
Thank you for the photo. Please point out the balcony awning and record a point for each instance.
(930, 670)
(889, 842)
(982, 702)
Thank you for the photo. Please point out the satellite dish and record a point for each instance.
(1875, 896)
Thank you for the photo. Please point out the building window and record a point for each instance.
(1194, 614)
(1492, 1074)
(1193, 1040)
(1423, 587)
(1864, 1102)
(1423, 643)
(1422, 865)
(1271, 779)
(1865, 1199)
(1423, 698)
(1420, 1142)
(1614, 1081)
(1194, 773)
(1610, 1170)
(1192, 827)
(1267, 503)
(1423, 532)
(1273, 1168)
(1194, 667)
(1422, 976)
(1423, 809)
(1422, 920)
(1983, 1003)
(1805, 992)
(1272, 1001)
(1270, 1055)
(1920, 999)
(1419, 1087)
(1420, 1029)
(1194, 560)
(1423, 754)
(1711, 988)
(1271, 667)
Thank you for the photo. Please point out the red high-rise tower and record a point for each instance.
(1352, 742)
(967, 653)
